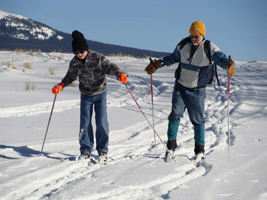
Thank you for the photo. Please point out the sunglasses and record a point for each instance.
(196, 37)
(77, 52)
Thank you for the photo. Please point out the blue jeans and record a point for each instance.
(86, 135)
(194, 101)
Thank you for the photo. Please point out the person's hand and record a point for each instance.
(57, 88)
(231, 69)
(153, 66)
(123, 78)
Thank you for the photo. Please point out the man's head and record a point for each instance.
(197, 31)
(197, 27)
(79, 44)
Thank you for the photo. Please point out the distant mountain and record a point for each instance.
(18, 32)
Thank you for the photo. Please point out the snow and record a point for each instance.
(5, 14)
(136, 169)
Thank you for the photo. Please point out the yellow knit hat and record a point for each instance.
(198, 27)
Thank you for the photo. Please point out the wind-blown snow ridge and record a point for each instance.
(5, 14)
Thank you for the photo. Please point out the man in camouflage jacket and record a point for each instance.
(91, 69)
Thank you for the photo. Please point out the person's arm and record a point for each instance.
(70, 76)
(109, 67)
(222, 60)
(112, 69)
(167, 60)
(172, 58)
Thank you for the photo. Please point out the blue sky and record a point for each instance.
(237, 27)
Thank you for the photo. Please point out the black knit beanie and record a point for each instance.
(78, 43)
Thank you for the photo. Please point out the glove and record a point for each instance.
(123, 78)
(153, 66)
(231, 69)
(57, 88)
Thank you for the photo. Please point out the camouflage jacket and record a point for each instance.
(91, 73)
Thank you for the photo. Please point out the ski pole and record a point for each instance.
(155, 141)
(41, 153)
(148, 121)
(228, 113)
(151, 81)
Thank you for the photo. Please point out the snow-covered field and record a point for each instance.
(136, 169)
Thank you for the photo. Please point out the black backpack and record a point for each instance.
(186, 40)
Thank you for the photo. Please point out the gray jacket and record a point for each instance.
(195, 72)
(91, 73)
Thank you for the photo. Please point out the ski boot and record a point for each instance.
(171, 145)
(103, 158)
(84, 156)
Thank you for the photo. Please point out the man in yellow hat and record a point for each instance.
(194, 72)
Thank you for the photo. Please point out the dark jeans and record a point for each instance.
(194, 101)
(86, 136)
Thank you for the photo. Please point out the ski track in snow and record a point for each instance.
(36, 109)
(48, 178)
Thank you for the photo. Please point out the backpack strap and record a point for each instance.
(214, 66)
(183, 42)
(207, 50)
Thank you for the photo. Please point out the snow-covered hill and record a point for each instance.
(136, 169)
(24, 28)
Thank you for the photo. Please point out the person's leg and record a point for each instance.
(173, 127)
(86, 138)
(102, 126)
(177, 110)
(196, 108)
(199, 139)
